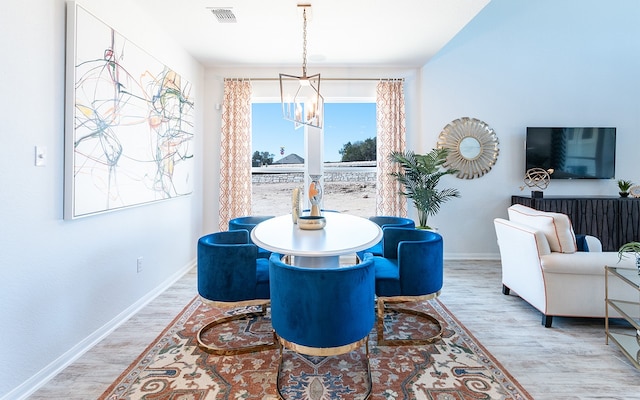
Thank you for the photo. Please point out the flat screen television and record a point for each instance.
(572, 153)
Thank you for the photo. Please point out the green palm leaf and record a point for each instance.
(419, 176)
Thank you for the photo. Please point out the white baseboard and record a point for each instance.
(38, 380)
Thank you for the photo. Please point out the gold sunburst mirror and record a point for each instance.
(473, 147)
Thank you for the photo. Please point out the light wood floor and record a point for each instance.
(568, 361)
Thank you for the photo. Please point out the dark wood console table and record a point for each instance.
(613, 220)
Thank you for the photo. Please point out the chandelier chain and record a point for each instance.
(304, 42)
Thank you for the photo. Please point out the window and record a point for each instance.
(347, 188)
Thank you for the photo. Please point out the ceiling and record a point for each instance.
(373, 33)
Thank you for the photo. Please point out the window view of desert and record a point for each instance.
(356, 198)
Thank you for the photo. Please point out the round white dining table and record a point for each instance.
(322, 248)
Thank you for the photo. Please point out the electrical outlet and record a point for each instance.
(139, 265)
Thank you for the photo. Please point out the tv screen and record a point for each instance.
(572, 153)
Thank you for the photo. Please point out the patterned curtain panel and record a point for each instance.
(391, 137)
(235, 152)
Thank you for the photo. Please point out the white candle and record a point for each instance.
(298, 116)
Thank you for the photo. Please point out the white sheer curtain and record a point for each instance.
(235, 152)
(391, 137)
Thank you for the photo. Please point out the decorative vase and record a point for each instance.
(315, 195)
(624, 194)
(296, 206)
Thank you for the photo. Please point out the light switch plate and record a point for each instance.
(41, 156)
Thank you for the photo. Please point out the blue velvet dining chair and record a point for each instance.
(410, 270)
(230, 274)
(385, 221)
(322, 311)
(249, 222)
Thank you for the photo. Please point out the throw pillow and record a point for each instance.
(555, 226)
(581, 243)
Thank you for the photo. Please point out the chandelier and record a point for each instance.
(300, 95)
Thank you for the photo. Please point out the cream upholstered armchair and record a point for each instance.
(553, 270)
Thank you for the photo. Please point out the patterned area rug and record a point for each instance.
(455, 368)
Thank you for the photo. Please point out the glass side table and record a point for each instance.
(626, 338)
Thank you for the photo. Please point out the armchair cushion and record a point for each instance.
(387, 276)
(578, 263)
(555, 226)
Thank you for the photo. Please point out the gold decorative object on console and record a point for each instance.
(537, 178)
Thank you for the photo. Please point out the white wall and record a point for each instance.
(526, 63)
(64, 283)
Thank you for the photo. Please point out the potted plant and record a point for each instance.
(630, 248)
(419, 177)
(624, 187)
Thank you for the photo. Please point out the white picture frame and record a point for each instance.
(128, 122)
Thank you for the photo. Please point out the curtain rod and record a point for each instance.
(322, 79)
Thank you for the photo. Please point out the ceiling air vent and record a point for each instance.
(224, 15)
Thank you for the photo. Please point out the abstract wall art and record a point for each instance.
(129, 122)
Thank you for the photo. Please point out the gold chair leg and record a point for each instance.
(280, 395)
(228, 351)
(369, 384)
(404, 342)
